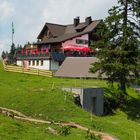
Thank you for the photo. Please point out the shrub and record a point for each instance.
(95, 126)
(65, 130)
(114, 98)
(91, 136)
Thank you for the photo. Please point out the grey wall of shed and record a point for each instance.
(88, 95)
(86, 98)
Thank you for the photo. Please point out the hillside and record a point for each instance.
(41, 97)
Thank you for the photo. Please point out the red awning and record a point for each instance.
(72, 48)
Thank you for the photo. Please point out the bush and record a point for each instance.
(95, 126)
(91, 136)
(114, 99)
(65, 130)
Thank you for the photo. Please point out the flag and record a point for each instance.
(13, 31)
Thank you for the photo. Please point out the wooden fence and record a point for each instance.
(34, 71)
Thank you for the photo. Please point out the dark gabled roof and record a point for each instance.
(65, 32)
(80, 27)
(55, 29)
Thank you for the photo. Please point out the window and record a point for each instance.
(33, 62)
(86, 41)
(37, 62)
(78, 41)
(81, 41)
(29, 63)
(41, 62)
(49, 35)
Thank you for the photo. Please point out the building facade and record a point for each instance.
(56, 42)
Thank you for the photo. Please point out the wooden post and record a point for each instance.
(5, 67)
(81, 81)
(75, 82)
(135, 135)
(38, 71)
(91, 117)
(53, 85)
(65, 97)
(22, 69)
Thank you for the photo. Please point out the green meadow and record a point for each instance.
(42, 98)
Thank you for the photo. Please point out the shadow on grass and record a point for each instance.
(132, 108)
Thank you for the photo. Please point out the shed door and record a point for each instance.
(94, 105)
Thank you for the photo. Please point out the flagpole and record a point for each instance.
(12, 33)
(12, 38)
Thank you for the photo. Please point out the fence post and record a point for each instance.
(135, 135)
(91, 116)
(38, 71)
(5, 67)
(51, 73)
(75, 82)
(22, 69)
(65, 96)
(53, 85)
(3, 63)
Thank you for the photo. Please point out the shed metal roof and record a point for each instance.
(77, 67)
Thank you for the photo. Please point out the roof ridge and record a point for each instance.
(56, 24)
(72, 23)
(85, 22)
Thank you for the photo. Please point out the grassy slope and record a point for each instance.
(16, 130)
(35, 97)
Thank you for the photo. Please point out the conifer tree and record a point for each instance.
(3, 55)
(11, 55)
(119, 42)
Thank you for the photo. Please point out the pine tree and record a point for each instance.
(12, 50)
(119, 42)
(3, 55)
(12, 54)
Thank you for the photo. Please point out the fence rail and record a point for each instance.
(33, 71)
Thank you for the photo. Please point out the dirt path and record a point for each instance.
(19, 116)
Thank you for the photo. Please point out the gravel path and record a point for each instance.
(19, 116)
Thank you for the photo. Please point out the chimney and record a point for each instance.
(88, 20)
(76, 21)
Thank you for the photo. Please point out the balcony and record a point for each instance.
(58, 56)
(33, 56)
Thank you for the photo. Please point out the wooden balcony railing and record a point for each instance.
(32, 56)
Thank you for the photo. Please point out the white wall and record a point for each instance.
(19, 63)
(54, 65)
(46, 64)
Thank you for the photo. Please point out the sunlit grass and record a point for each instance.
(42, 97)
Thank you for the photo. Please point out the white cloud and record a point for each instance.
(29, 16)
(63, 11)
(6, 10)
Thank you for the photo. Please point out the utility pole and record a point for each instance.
(12, 33)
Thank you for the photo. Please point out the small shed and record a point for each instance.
(91, 99)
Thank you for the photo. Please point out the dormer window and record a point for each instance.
(48, 33)
(54, 36)
(81, 41)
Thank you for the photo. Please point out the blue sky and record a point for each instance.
(29, 16)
